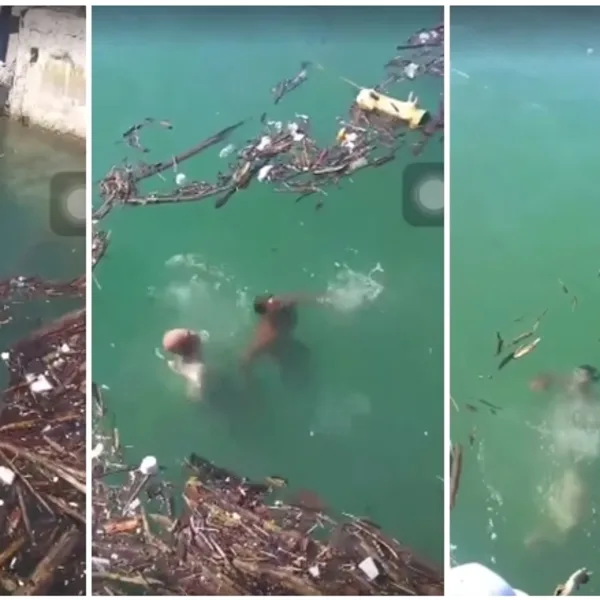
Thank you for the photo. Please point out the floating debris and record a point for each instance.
(456, 458)
(234, 538)
(42, 459)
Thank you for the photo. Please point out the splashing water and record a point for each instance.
(204, 297)
(574, 429)
(352, 290)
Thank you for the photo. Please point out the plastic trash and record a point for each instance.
(411, 70)
(180, 179)
(7, 477)
(148, 466)
(265, 142)
(264, 172)
(369, 568)
(38, 384)
(97, 451)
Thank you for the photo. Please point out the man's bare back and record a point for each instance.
(278, 317)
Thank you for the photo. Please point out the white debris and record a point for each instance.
(5, 355)
(97, 451)
(314, 571)
(411, 70)
(424, 37)
(7, 476)
(149, 466)
(276, 125)
(264, 172)
(294, 129)
(369, 568)
(225, 152)
(38, 383)
(100, 563)
(180, 179)
(349, 140)
(65, 348)
(590, 51)
(265, 142)
(134, 505)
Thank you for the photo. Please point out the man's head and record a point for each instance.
(261, 303)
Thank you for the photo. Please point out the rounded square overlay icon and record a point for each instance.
(68, 203)
(423, 194)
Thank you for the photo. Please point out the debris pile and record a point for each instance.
(42, 456)
(233, 536)
(20, 289)
(286, 155)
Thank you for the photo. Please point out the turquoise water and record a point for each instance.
(524, 214)
(365, 430)
(28, 245)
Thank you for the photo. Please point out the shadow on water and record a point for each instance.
(285, 387)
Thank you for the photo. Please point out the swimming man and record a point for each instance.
(278, 317)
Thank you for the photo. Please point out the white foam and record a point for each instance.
(351, 289)
(225, 152)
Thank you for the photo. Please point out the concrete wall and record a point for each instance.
(47, 58)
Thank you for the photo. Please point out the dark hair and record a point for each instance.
(260, 303)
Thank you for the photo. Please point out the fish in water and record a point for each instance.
(521, 337)
(276, 481)
(489, 404)
(133, 141)
(506, 360)
(288, 85)
(562, 284)
(499, 343)
(472, 437)
(137, 127)
(528, 348)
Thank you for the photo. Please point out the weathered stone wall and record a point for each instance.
(47, 58)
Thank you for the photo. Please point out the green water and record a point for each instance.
(525, 210)
(365, 431)
(28, 245)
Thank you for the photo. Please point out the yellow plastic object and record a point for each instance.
(369, 100)
(341, 134)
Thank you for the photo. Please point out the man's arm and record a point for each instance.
(292, 299)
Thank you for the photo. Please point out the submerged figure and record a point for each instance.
(579, 382)
(273, 337)
(186, 346)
